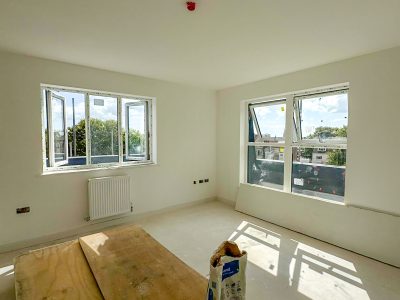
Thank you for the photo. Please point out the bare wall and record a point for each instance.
(373, 163)
(186, 148)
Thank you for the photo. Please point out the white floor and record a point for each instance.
(282, 264)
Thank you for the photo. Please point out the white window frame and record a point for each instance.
(289, 99)
(50, 131)
(88, 132)
(150, 121)
(285, 144)
(309, 95)
(147, 129)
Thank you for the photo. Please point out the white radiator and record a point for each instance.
(109, 196)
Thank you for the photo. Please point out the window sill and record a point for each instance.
(79, 169)
(296, 194)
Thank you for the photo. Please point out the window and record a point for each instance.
(57, 129)
(86, 129)
(136, 128)
(266, 143)
(301, 149)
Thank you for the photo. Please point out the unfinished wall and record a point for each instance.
(186, 140)
(373, 163)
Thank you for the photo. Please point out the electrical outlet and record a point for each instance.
(23, 210)
(194, 182)
(206, 180)
(201, 181)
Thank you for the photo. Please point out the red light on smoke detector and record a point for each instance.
(191, 6)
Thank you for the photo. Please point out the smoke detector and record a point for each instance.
(191, 5)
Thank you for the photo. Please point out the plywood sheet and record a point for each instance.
(56, 272)
(129, 264)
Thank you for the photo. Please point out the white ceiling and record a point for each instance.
(223, 43)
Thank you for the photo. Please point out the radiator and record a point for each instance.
(109, 196)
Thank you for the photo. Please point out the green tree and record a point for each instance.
(341, 132)
(136, 142)
(104, 138)
(337, 157)
(306, 152)
(325, 132)
(80, 130)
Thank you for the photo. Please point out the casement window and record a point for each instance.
(266, 143)
(136, 148)
(88, 129)
(297, 143)
(57, 129)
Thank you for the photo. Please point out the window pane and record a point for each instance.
(75, 109)
(322, 118)
(135, 129)
(46, 127)
(65, 118)
(58, 129)
(253, 133)
(265, 166)
(271, 121)
(319, 172)
(104, 129)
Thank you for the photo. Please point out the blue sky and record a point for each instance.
(271, 119)
(329, 111)
(106, 112)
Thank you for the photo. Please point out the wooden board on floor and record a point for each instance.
(56, 272)
(129, 264)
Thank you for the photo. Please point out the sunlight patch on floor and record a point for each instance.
(317, 284)
(263, 256)
(270, 239)
(342, 262)
(312, 272)
(264, 246)
(96, 241)
(7, 270)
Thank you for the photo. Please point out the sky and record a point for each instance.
(328, 111)
(331, 111)
(106, 112)
(271, 119)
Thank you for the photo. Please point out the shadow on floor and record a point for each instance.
(297, 270)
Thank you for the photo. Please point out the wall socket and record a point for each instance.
(202, 181)
(23, 210)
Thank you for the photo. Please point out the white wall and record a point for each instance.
(186, 139)
(373, 161)
(187, 144)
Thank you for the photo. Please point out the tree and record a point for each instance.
(80, 130)
(324, 132)
(136, 142)
(104, 138)
(337, 157)
(306, 152)
(341, 132)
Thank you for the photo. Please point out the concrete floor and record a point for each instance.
(282, 264)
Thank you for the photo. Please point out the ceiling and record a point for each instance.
(222, 44)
